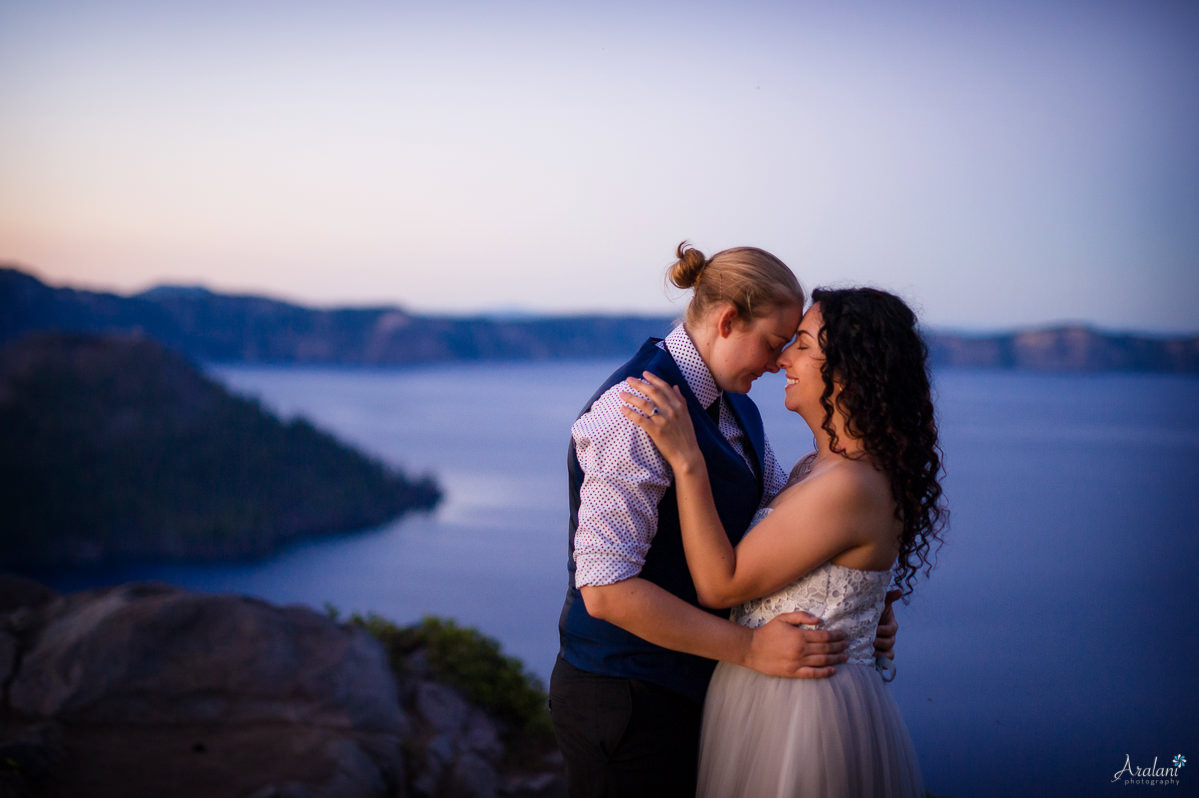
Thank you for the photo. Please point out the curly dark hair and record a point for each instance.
(875, 354)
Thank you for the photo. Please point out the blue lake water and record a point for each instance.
(1054, 639)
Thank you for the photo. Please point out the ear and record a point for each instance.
(726, 319)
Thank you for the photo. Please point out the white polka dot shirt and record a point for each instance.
(624, 476)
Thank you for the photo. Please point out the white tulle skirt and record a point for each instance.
(841, 736)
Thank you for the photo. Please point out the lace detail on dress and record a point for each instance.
(799, 472)
(848, 599)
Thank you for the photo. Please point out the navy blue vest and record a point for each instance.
(599, 647)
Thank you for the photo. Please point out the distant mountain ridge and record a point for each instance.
(208, 326)
(1067, 349)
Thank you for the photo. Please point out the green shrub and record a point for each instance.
(465, 658)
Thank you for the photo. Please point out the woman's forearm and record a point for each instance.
(655, 615)
(667, 420)
(780, 648)
(710, 557)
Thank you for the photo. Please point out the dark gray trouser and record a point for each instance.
(623, 738)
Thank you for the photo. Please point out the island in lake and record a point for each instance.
(115, 448)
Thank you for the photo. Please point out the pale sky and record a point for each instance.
(998, 164)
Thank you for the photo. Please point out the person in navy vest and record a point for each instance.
(637, 650)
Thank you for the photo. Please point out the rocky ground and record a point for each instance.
(150, 690)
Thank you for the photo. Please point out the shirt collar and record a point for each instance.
(694, 369)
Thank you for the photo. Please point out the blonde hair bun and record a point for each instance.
(686, 270)
(752, 280)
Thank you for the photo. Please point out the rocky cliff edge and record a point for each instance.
(150, 690)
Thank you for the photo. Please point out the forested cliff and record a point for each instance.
(115, 448)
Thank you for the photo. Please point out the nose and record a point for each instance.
(773, 367)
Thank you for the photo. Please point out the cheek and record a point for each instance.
(808, 378)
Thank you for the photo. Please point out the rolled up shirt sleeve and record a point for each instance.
(624, 479)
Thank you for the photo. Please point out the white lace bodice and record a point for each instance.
(848, 599)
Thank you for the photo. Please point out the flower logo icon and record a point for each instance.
(1179, 760)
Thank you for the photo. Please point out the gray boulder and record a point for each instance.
(158, 691)
(459, 745)
(150, 690)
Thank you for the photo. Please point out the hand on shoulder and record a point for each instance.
(659, 409)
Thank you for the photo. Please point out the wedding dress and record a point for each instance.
(766, 736)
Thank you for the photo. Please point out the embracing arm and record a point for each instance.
(779, 648)
(625, 477)
(772, 555)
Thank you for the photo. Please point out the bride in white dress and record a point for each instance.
(858, 514)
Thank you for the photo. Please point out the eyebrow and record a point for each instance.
(805, 332)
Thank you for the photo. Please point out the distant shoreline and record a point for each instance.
(226, 329)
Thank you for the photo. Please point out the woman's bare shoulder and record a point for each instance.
(845, 483)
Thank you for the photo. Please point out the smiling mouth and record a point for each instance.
(792, 381)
